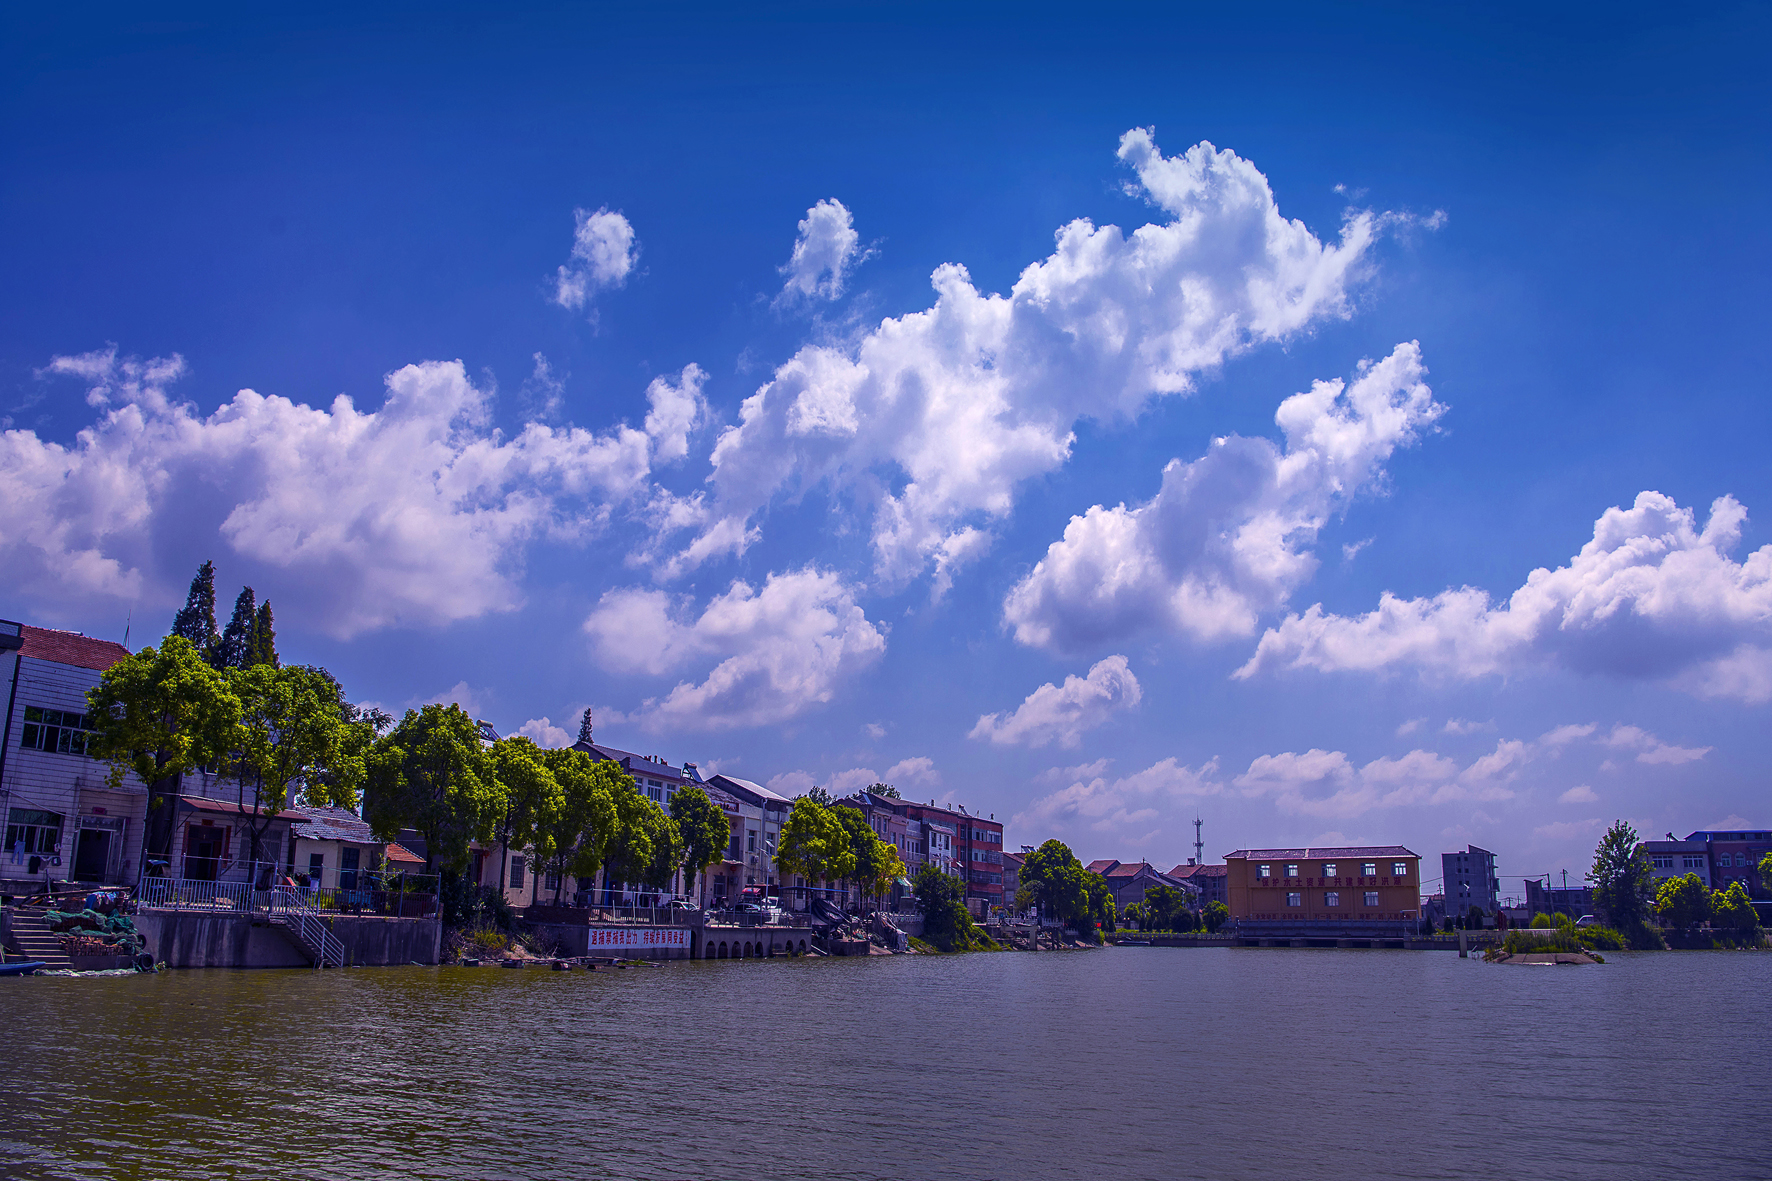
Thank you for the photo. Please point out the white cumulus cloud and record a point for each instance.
(1061, 714)
(604, 250)
(1228, 536)
(545, 734)
(1652, 596)
(933, 419)
(417, 512)
(826, 251)
(1579, 794)
(1092, 801)
(780, 650)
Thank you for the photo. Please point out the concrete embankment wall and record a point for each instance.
(192, 939)
(704, 941)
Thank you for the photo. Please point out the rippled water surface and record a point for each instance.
(1122, 1063)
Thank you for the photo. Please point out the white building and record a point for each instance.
(64, 822)
(1676, 859)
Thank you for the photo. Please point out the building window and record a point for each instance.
(1371, 898)
(516, 873)
(750, 840)
(1294, 899)
(1399, 869)
(553, 879)
(1292, 869)
(1264, 871)
(1692, 863)
(1328, 869)
(1332, 898)
(55, 730)
(1369, 869)
(31, 830)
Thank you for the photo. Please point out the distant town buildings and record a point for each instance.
(1735, 856)
(1469, 879)
(1128, 881)
(1209, 880)
(1574, 901)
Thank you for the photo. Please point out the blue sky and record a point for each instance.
(1532, 251)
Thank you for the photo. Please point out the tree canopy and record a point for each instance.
(584, 826)
(1623, 879)
(703, 830)
(814, 844)
(161, 714)
(1682, 902)
(1731, 910)
(292, 734)
(946, 921)
(1053, 879)
(432, 773)
(877, 863)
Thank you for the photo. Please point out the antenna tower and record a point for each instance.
(1199, 857)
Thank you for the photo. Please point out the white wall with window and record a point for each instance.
(63, 820)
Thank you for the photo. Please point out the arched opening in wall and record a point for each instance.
(802, 947)
(722, 950)
(750, 951)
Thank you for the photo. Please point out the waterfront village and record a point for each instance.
(204, 805)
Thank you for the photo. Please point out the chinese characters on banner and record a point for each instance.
(633, 938)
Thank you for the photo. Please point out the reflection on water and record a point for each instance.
(1130, 1063)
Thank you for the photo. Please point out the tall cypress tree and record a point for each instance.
(196, 622)
(236, 639)
(261, 648)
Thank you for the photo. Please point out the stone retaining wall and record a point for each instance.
(194, 939)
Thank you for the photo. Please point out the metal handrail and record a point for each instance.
(309, 925)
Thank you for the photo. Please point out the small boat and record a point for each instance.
(27, 968)
(1135, 943)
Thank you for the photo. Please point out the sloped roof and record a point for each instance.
(636, 764)
(1326, 851)
(745, 785)
(232, 808)
(399, 852)
(1101, 865)
(71, 648)
(335, 824)
(1189, 872)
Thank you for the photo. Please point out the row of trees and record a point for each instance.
(827, 842)
(1627, 896)
(1167, 909)
(250, 637)
(269, 733)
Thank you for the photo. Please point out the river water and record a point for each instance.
(1122, 1063)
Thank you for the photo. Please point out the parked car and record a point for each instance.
(1587, 920)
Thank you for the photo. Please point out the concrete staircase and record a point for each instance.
(32, 936)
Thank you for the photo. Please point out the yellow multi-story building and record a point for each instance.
(1353, 890)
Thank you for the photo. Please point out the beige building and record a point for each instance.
(1350, 889)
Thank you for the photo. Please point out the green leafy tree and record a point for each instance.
(814, 844)
(1053, 879)
(667, 851)
(585, 825)
(1623, 881)
(877, 863)
(886, 790)
(1216, 915)
(196, 621)
(819, 796)
(1765, 871)
(1732, 910)
(703, 829)
(1681, 902)
(946, 921)
(533, 800)
(162, 714)
(1167, 909)
(293, 734)
(432, 773)
(635, 848)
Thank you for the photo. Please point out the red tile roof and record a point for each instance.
(1101, 865)
(43, 643)
(232, 808)
(1328, 851)
(399, 852)
(1200, 871)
